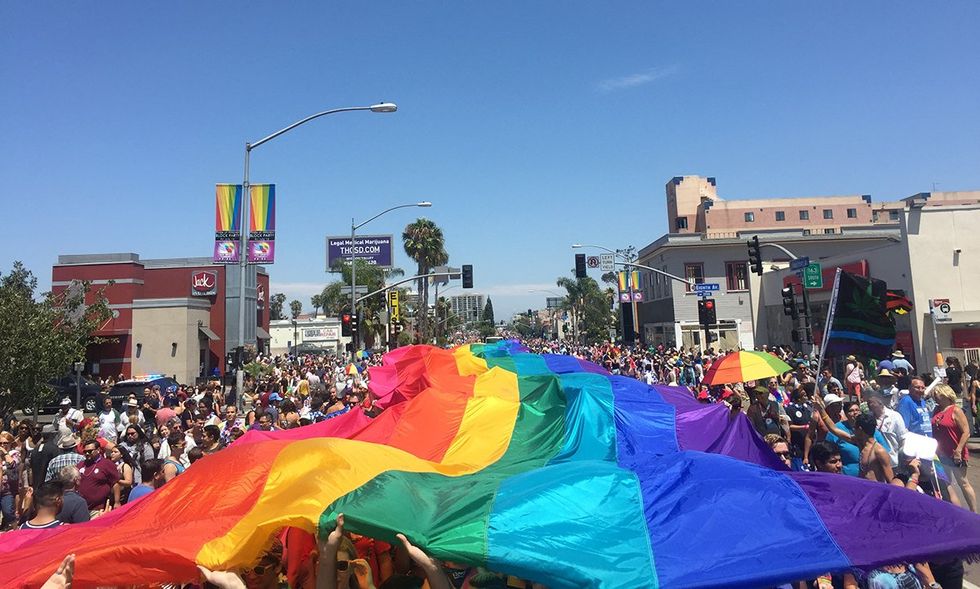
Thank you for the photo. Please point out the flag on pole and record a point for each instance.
(860, 324)
(897, 303)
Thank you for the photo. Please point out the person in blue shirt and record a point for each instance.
(152, 471)
(913, 409)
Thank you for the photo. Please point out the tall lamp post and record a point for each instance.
(353, 268)
(383, 107)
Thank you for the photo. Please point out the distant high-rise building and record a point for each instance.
(468, 306)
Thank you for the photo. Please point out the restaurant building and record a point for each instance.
(174, 316)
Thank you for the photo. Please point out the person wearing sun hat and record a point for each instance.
(898, 359)
(69, 456)
(854, 376)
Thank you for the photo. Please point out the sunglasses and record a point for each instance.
(343, 565)
(783, 454)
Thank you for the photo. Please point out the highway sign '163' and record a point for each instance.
(813, 276)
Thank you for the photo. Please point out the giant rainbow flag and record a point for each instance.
(541, 466)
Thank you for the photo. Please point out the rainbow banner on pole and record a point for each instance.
(629, 280)
(545, 467)
(227, 223)
(262, 224)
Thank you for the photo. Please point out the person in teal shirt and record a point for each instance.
(849, 453)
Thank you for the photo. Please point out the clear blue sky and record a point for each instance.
(530, 125)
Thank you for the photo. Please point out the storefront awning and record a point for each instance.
(262, 334)
(206, 332)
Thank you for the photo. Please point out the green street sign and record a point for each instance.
(813, 276)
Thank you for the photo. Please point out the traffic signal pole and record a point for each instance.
(755, 258)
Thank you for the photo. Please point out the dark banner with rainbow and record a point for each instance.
(545, 467)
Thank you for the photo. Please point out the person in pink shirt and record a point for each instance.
(165, 413)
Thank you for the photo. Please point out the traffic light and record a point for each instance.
(345, 325)
(530, 313)
(755, 255)
(706, 313)
(467, 275)
(353, 325)
(580, 266)
(789, 302)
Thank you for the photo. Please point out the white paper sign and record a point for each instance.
(921, 447)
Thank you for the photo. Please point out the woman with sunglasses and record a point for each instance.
(25, 436)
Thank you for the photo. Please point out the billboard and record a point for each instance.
(374, 249)
(321, 334)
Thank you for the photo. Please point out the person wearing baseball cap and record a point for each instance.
(273, 409)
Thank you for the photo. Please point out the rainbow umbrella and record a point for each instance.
(743, 366)
(351, 369)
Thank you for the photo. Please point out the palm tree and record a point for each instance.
(425, 244)
(316, 301)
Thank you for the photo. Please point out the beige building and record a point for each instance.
(919, 244)
(164, 329)
(693, 206)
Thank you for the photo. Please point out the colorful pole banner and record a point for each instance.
(227, 223)
(262, 224)
(629, 280)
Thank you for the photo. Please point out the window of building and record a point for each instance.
(893, 215)
(681, 222)
(874, 216)
(749, 217)
(852, 213)
(780, 215)
(828, 231)
(737, 275)
(693, 273)
(828, 213)
(806, 232)
(804, 215)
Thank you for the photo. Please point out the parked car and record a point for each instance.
(65, 387)
(134, 386)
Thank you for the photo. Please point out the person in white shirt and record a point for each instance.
(132, 416)
(108, 421)
(890, 424)
(68, 417)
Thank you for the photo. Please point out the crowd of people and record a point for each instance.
(853, 421)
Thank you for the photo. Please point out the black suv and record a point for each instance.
(65, 387)
(124, 388)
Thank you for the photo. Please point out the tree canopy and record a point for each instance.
(41, 338)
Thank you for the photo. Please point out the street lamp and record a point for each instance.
(353, 268)
(382, 107)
